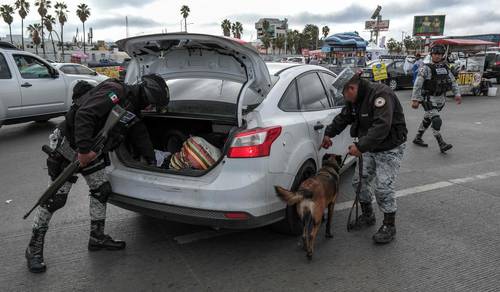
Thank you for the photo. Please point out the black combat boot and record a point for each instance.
(418, 140)
(387, 231)
(34, 252)
(98, 240)
(366, 219)
(443, 146)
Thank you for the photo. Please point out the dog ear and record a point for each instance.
(290, 198)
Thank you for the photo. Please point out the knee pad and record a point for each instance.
(436, 123)
(102, 193)
(426, 122)
(56, 202)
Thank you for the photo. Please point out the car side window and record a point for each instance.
(4, 68)
(69, 69)
(290, 100)
(336, 95)
(312, 95)
(84, 70)
(399, 66)
(31, 68)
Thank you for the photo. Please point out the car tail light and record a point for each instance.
(253, 143)
(236, 215)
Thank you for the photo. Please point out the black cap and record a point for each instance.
(438, 49)
(155, 90)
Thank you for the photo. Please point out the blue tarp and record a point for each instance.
(343, 41)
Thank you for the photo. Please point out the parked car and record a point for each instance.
(492, 65)
(79, 70)
(267, 120)
(298, 60)
(31, 89)
(397, 76)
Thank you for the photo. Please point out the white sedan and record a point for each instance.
(79, 71)
(267, 120)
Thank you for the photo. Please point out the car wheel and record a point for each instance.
(291, 223)
(393, 84)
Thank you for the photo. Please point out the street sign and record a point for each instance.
(382, 25)
(379, 72)
(428, 25)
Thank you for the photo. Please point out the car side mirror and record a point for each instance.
(54, 73)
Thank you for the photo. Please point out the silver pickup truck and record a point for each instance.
(31, 89)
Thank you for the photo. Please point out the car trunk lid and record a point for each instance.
(183, 55)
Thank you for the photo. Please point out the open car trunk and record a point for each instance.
(169, 131)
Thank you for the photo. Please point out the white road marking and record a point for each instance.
(206, 234)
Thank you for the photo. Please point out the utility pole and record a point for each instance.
(126, 26)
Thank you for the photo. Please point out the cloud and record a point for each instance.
(119, 21)
(120, 3)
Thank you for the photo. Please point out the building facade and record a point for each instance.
(277, 27)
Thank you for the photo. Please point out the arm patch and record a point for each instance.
(379, 102)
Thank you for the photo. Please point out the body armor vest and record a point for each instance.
(440, 81)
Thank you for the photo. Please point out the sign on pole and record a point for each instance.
(381, 25)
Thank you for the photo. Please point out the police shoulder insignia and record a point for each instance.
(379, 102)
(114, 98)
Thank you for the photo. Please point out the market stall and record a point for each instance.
(469, 67)
(345, 50)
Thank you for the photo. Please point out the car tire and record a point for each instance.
(393, 84)
(291, 223)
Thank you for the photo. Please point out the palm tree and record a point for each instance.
(185, 13)
(49, 22)
(237, 29)
(23, 8)
(43, 6)
(226, 27)
(7, 11)
(325, 30)
(34, 32)
(83, 12)
(61, 12)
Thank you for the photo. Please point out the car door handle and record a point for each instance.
(318, 126)
(26, 84)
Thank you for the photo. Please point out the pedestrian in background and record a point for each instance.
(433, 81)
(418, 63)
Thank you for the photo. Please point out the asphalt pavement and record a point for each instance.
(448, 228)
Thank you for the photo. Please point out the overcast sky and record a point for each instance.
(152, 16)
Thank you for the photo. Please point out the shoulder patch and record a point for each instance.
(379, 102)
(114, 98)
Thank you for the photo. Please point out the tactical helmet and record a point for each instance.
(155, 90)
(438, 49)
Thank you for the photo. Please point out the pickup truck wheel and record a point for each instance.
(291, 223)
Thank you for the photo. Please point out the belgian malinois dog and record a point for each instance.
(313, 196)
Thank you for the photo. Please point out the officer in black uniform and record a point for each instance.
(83, 122)
(377, 120)
(432, 83)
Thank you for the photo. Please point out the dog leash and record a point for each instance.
(355, 205)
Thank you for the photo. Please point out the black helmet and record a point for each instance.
(81, 88)
(438, 49)
(155, 90)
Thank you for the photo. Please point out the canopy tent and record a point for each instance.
(464, 45)
(373, 52)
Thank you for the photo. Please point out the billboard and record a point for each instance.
(428, 25)
(382, 25)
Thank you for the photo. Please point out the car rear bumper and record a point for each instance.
(213, 218)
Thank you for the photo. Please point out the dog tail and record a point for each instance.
(291, 198)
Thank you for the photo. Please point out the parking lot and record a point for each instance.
(448, 236)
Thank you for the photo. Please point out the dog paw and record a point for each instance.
(309, 256)
(328, 235)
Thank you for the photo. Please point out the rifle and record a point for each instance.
(117, 114)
